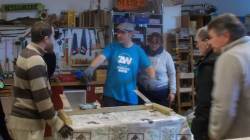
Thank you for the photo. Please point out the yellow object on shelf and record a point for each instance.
(71, 19)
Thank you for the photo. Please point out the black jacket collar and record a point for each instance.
(209, 59)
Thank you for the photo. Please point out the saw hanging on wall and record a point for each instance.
(83, 47)
(75, 48)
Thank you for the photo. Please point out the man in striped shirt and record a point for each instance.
(32, 91)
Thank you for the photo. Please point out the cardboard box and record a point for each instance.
(100, 75)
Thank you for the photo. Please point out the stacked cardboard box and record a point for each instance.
(100, 75)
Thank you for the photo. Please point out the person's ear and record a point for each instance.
(226, 36)
(46, 39)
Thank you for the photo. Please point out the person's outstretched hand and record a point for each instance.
(152, 84)
(66, 131)
(88, 74)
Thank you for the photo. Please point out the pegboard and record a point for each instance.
(91, 38)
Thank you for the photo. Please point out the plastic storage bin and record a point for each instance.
(121, 19)
(75, 97)
(67, 77)
(141, 20)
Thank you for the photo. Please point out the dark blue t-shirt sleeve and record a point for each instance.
(107, 51)
(144, 62)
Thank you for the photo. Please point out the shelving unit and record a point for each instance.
(186, 78)
(144, 29)
(56, 28)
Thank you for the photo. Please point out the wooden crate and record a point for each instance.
(66, 119)
(100, 75)
(6, 92)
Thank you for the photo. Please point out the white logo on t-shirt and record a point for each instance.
(124, 60)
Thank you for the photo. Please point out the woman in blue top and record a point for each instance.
(165, 74)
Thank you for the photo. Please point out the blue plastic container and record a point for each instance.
(79, 74)
(121, 19)
(141, 20)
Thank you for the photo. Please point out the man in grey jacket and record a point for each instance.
(229, 116)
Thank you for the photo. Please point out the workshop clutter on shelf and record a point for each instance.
(67, 77)
(77, 73)
(142, 18)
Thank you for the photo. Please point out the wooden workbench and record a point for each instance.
(77, 83)
(59, 87)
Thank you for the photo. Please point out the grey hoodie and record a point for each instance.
(230, 112)
(163, 65)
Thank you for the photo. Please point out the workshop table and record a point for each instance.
(91, 95)
(151, 122)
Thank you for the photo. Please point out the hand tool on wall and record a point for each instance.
(57, 61)
(64, 30)
(6, 47)
(74, 48)
(59, 42)
(7, 65)
(83, 47)
(6, 36)
(14, 64)
(96, 44)
(13, 46)
(17, 43)
(57, 34)
(67, 51)
(21, 40)
(98, 36)
(90, 43)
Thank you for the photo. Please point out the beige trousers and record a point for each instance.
(27, 135)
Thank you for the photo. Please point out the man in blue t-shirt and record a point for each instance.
(125, 59)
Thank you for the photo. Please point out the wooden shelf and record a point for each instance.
(184, 51)
(56, 28)
(186, 104)
(81, 28)
(186, 92)
(154, 24)
(76, 83)
(190, 80)
(15, 26)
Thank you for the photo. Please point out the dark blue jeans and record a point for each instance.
(112, 102)
(160, 97)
